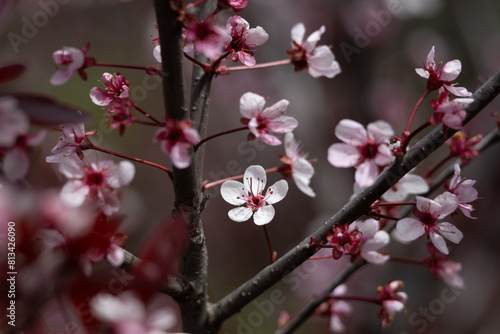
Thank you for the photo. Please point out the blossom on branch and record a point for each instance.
(250, 198)
(72, 60)
(13, 121)
(366, 149)
(176, 138)
(243, 39)
(462, 145)
(295, 165)
(372, 240)
(336, 310)
(236, 5)
(392, 300)
(428, 213)
(96, 180)
(450, 113)
(410, 184)
(344, 240)
(464, 190)
(441, 267)
(116, 88)
(206, 38)
(319, 61)
(262, 121)
(73, 141)
(438, 76)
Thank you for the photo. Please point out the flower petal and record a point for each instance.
(451, 70)
(366, 173)
(264, 215)
(298, 32)
(343, 155)
(351, 132)
(233, 192)
(380, 131)
(74, 193)
(276, 192)
(410, 229)
(240, 214)
(450, 232)
(255, 179)
(439, 242)
(251, 104)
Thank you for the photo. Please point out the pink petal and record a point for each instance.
(282, 124)
(298, 32)
(351, 132)
(255, 179)
(378, 241)
(99, 97)
(74, 193)
(115, 256)
(450, 232)
(343, 155)
(179, 155)
(313, 39)
(16, 164)
(366, 173)
(458, 91)
(108, 201)
(380, 131)
(276, 192)
(384, 156)
(374, 257)
(240, 214)
(233, 192)
(323, 63)
(439, 242)
(423, 73)
(256, 36)
(61, 77)
(251, 104)
(451, 70)
(121, 174)
(276, 109)
(410, 229)
(264, 215)
(448, 204)
(246, 58)
(270, 139)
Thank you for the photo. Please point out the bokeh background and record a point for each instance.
(378, 44)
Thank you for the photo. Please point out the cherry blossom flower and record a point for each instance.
(392, 300)
(366, 149)
(335, 309)
(410, 184)
(249, 195)
(72, 59)
(119, 115)
(236, 5)
(450, 113)
(207, 38)
(372, 240)
(127, 314)
(16, 161)
(176, 138)
(262, 121)
(429, 212)
(319, 61)
(438, 76)
(95, 180)
(464, 190)
(13, 121)
(441, 267)
(344, 240)
(72, 141)
(243, 39)
(296, 166)
(462, 145)
(117, 88)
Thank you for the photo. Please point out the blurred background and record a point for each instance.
(378, 45)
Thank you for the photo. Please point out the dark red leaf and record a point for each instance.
(43, 110)
(11, 72)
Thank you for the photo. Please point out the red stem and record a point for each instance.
(133, 67)
(358, 298)
(145, 162)
(321, 257)
(396, 203)
(413, 134)
(256, 66)
(145, 113)
(419, 102)
(272, 254)
(217, 135)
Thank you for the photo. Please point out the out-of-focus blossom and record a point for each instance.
(318, 60)
(410, 184)
(335, 309)
(366, 149)
(71, 60)
(296, 166)
(16, 161)
(72, 141)
(96, 180)
(464, 190)
(438, 76)
(441, 267)
(449, 112)
(428, 213)
(116, 88)
(262, 121)
(236, 5)
(13, 121)
(372, 240)
(462, 145)
(250, 197)
(176, 138)
(243, 40)
(127, 314)
(206, 38)
(392, 300)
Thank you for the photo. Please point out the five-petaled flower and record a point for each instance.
(249, 195)
(116, 88)
(366, 149)
(96, 180)
(127, 314)
(464, 190)
(243, 39)
(262, 121)
(438, 76)
(72, 60)
(206, 37)
(392, 301)
(73, 141)
(449, 112)
(176, 138)
(429, 212)
(462, 145)
(295, 165)
(319, 61)
(372, 240)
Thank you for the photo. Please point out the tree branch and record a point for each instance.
(270, 275)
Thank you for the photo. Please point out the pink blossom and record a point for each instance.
(119, 115)
(73, 141)
(72, 59)
(410, 184)
(450, 113)
(16, 161)
(344, 240)
(464, 190)
(438, 76)
(366, 149)
(207, 38)
(429, 212)
(335, 309)
(441, 267)
(127, 314)
(116, 88)
(392, 300)
(13, 121)
(296, 165)
(96, 180)
(236, 5)
(372, 240)
(249, 195)
(176, 138)
(262, 121)
(243, 39)
(319, 61)
(462, 145)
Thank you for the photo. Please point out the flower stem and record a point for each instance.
(413, 134)
(237, 177)
(419, 102)
(379, 215)
(217, 135)
(146, 122)
(256, 66)
(145, 113)
(396, 203)
(203, 66)
(358, 298)
(321, 257)
(145, 162)
(406, 260)
(148, 69)
(272, 254)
